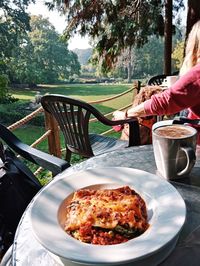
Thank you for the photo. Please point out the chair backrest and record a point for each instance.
(73, 117)
(156, 80)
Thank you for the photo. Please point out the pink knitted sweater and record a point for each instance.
(184, 94)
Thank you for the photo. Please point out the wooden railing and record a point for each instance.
(52, 129)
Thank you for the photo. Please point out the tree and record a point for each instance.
(113, 25)
(170, 9)
(168, 37)
(149, 58)
(14, 21)
(44, 57)
(116, 25)
(3, 88)
(125, 64)
(177, 54)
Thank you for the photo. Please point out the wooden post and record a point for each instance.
(136, 88)
(168, 37)
(54, 137)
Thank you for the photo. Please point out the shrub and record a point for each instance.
(5, 97)
(12, 112)
(3, 86)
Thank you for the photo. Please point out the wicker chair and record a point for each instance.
(73, 117)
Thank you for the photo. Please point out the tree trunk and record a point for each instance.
(168, 37)
(129, 72)
(129, 65)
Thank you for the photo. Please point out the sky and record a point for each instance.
(59, 23)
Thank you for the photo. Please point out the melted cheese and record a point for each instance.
(106, 209)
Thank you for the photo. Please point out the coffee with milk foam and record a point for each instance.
(173, 131)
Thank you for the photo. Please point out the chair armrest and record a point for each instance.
(134, 134)
(45, 160)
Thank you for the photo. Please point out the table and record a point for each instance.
(27, 251)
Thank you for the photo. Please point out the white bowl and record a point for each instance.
(166, 215)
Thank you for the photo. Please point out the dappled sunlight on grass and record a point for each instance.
(21, 95)
(86, 92)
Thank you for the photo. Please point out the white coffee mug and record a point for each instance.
(174, 149)
(170, 80)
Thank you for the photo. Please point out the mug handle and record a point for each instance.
(185, 120)
(191, 158)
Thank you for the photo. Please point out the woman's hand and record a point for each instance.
(119, 115)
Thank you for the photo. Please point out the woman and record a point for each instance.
(185, 93)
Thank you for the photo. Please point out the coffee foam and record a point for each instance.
(174, 131)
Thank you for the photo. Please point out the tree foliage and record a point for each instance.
(5, 97)
(14, 21)
(3, 87)
(31, 51)
(177, 54)
(148, 60)
(114, 25)
(51, 58)
(42, 57)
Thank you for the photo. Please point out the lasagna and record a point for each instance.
(107, 216)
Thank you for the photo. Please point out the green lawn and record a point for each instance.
(86, 92)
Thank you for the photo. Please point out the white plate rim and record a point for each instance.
(135, 249)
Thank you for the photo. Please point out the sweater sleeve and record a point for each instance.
(183, 94)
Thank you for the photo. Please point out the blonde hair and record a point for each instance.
(192, 51)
